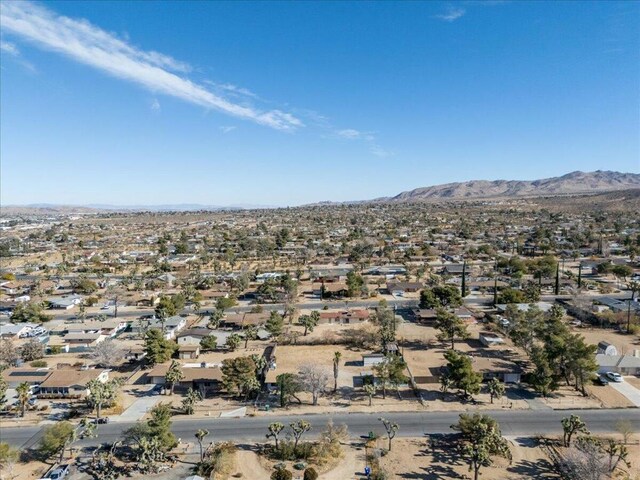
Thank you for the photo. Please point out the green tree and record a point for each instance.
(24, 394)
(174, 375)
(32, 312)
(511, 295)
(210, 342)
(460, 370)
(3, 390)
(309, 322)
(336, 369)
(275, 323)
(159, 426)
(55, 439)
(571, 425)
(481, 440)
(450, 327)
(289, 386)
(157, 347)
(495, 388)
(239, 376)
(355, 284)
(166, 307)
(440, 296)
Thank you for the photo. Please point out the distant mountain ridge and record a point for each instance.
(572, 183)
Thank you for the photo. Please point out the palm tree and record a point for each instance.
(336, 369)
(24, 393)
(200, 434)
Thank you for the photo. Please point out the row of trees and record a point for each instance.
(557, 354)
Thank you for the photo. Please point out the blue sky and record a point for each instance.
(295, 102)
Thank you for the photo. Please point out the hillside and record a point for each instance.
(569, 184)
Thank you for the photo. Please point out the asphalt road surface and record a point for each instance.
(412, 424)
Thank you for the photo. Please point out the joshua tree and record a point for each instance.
(336, 369)
(250, 333)
(496, 388)
(391, 428)
(201, 433)
(174, 375)
(274, 431)
(298, 429)
(370, 390)
(572, 425)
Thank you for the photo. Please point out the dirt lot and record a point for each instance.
(290, 358)
(418, 458)
(625, 344)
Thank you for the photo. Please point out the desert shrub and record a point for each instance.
(281, 474)
(329, 445)
(219, 459)
(310, 474)
(38, 364)
(286, 451)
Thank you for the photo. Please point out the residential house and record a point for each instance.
(344, 316)
(202, 377)
(71, 383)
(622, 364)
(188, 351)
(14, 376)
(400, 288)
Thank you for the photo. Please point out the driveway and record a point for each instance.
(138, 408)
(629, 391)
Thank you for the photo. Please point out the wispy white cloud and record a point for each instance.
(378, 151)
(451, 15)
(88, 44)
(12, 50)
(227, 129)
(353, 134)
(155, 105)
(367, 137)
(9, 48)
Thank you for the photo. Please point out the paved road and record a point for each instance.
(318, 305)
(412, 424)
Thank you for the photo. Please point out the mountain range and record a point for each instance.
(574, 183)
(569, 184)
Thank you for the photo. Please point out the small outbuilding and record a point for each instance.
(605, 348)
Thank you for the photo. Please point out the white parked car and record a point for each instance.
(615, 377)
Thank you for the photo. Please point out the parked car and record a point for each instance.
(59, 473)
(601, 380)
(102, 420)
(615, 377)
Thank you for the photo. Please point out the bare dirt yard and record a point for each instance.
(433, 460)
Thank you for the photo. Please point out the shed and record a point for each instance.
(605, 348)
(371, 359)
